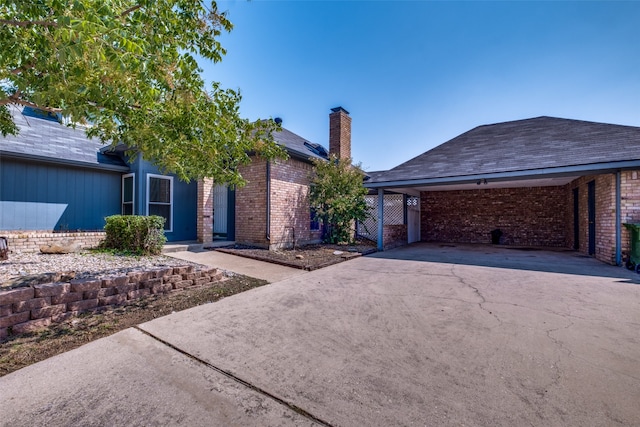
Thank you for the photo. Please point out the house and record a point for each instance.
(272, 209)
(55, 184)
(545, 181)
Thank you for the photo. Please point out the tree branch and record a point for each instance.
(12, 100)
(28, 23)
(131, 9)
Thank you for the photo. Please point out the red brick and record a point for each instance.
(125, 289)
(84, 285)
(172, 279)
(16, 295)
(51, 289)
(6, 310)
(183, 284)
(65, 298)
(14, 319)
(162, 272)
(31, 326)
(183, 270)
(150, 283)
(82, 305)
(201, 281)
(52, 310)
(107, 292)
(113, 300)
(91, 294)
(138, 293)
(192, 276)
(162, 288)
(115, 281)
(139, 276)
(4, 332)
(31, 304)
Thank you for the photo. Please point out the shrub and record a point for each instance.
(141, 235)
(337, 196)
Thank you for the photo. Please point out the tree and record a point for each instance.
(129, 68)
(337, 196)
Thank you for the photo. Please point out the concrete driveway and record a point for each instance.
(423, 335)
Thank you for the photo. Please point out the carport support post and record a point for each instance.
(618, 222)
(380, 218)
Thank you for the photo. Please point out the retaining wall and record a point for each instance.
(37, 305)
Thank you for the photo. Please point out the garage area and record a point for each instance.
(542, 182)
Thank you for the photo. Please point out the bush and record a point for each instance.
(141, 235)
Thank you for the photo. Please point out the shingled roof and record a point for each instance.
(42, 137)
(523, 146)
(299, 147)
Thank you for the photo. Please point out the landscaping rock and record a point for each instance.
(62, 247)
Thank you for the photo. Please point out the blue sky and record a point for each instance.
(415, 74)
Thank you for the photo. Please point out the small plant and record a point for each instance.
(135, 234)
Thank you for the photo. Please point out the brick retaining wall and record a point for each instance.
(35, 306)
(30, 241)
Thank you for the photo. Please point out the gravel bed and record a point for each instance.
(83, 264)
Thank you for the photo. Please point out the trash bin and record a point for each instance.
(4, 249)
(634, 254)
(495, 236)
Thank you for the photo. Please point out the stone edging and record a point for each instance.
(28, 308)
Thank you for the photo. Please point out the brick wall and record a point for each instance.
(533, 216)
(340, 133)
(394, 236)
(30, 241)
(290, 216)
(605, 204)
(205, 210)
(27, 308)
(251, 205)
(629, 204)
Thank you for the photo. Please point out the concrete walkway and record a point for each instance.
(424, 335)
(236, 264)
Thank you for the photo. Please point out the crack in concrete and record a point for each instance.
(477, 292)
(239, 380)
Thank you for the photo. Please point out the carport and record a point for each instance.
(544, 182)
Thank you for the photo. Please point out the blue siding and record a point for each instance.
(37, 196)
(185, 200)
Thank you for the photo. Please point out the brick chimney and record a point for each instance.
(340, 133)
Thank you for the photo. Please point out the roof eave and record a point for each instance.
(65, 162)
(589, 169)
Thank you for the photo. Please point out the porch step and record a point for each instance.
(194, 246)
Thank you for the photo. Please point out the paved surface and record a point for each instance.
(249, 267)
(406, 337)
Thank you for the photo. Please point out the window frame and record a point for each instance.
(133, 194)
(170, 204)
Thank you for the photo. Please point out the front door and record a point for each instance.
(220, 206)
(591, 202)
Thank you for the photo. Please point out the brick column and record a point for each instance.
(205, 210)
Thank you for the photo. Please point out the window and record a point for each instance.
(315, 221)
(160, 198)
(128, 182)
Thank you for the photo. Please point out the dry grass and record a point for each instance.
(19, 351)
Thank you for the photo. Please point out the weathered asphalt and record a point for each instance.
(423, 335)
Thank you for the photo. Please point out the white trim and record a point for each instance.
(133, 193)
(170, 178)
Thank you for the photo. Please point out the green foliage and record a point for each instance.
(136, 234)
(129, 67)
(337, 195)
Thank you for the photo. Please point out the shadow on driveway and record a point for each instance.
(559, 260)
